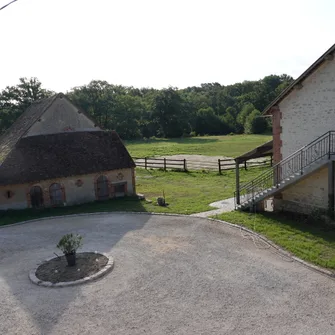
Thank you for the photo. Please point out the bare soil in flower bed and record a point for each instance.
(56, 270)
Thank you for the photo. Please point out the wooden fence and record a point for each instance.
(189, 165)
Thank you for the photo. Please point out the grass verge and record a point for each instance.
(312, 243)
(228, 145)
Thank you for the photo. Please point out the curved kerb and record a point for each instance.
(106, 269)
(321, 270)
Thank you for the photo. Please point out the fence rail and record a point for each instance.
(188, 165)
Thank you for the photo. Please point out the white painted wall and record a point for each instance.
(60, 116)
(309, 112)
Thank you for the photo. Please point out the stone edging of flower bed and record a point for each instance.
(106, 269)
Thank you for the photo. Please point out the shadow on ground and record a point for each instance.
(114, 205)
(24, 246)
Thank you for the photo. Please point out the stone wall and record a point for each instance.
(308, 112)
(311, 192)
(305, 114)
(77, 189)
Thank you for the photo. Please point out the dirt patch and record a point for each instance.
(197, 158)
(164, 244)
(56, 270)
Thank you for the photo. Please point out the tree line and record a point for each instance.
(208, 109)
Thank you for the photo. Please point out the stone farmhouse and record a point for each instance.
(303, 117)
(55, 155)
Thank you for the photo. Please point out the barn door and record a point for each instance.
(36, 197)
(102, 188)
(56, 194)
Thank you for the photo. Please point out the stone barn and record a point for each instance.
(55, 155)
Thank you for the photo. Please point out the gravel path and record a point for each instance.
(172, 275)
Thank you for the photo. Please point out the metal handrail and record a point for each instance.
(293, 154)
(291, 165)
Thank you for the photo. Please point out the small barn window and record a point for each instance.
(9, 194)
(120, 189)
(36, 197)
(56, 195)
(102, 188)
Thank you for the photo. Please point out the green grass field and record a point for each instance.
(229, 145)
(310, 242)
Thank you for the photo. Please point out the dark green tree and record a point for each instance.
(168, 113)
(255, 123)
(14, 100)
(243, 114)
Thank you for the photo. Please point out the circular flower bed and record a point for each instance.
(56, 272)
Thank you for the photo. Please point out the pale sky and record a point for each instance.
(160, 43)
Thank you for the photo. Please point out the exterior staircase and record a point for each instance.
(290, 170)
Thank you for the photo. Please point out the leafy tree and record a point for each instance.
(168, 113)
(255, 123)
(14, 100)
(230, 118)
(127, 116)
(144, 112)
(243, 114)
(207, 122)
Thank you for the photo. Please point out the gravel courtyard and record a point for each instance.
(172, 275)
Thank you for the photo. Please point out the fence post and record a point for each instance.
(271, 161)
(185, 167)
(164, 164)
(245, 165)
(145, 162)
(219, 162)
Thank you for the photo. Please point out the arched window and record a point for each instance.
(102, 188)
(36, 197)
(56, 194)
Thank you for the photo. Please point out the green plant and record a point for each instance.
(69, 243)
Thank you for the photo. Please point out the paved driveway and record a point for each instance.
(172, 275)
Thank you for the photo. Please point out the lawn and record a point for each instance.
(310, 242)
(185, 192)
(229, 145)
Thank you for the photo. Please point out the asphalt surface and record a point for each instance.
(172, 275)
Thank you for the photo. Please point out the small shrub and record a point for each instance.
(69, 243)
(193, 134)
